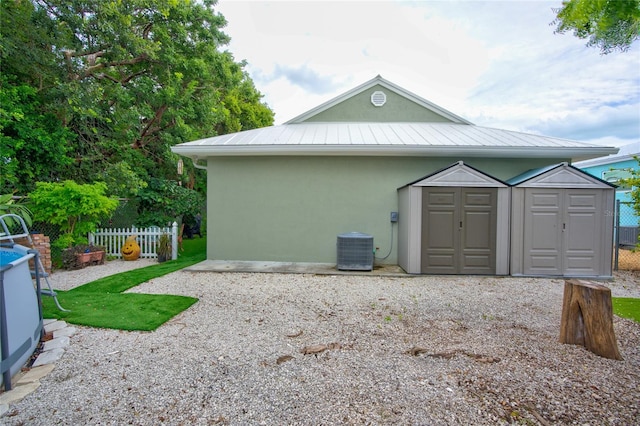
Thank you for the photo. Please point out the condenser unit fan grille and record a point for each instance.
(355, 252)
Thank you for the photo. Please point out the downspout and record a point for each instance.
(199, 166)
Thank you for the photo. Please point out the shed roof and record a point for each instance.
(458, 137)
(458, 174)
(560, 175)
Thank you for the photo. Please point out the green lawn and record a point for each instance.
(627, 307)
(103, 304)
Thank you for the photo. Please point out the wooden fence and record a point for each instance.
(112, 239)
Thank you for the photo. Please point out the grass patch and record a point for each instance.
(102, 304)
(626, 307)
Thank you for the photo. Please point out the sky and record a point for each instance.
(495, 63)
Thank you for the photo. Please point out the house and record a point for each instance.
(613, 168)
(285, 193)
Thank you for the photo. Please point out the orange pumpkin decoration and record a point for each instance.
(130, 250)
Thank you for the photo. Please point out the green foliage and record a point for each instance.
(8, 205)
(76, 208)
(121, 180)
(100, 91)
(102, 303)
(609, 25)
(33, 142)
(633, 182)
(163, 202)
(27, 39)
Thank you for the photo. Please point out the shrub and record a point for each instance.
(76, 208)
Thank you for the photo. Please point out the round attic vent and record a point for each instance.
(378, 98)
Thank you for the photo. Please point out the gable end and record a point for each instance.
(459, 174)
(363, 104)
(563, 176)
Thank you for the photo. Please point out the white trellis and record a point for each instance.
(113, 239)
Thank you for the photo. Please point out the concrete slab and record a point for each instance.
(290, 268)
(18, 392)
(67, 331)
(3, 409)
(48, 357)
(58, 342)
(53, 326)
(35, 374)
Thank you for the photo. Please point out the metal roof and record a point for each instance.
(389, 139)
(627, 152)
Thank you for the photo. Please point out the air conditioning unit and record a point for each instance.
(355, 252)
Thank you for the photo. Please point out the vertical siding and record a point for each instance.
(410, 229)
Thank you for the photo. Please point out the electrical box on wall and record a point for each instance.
(394, 217)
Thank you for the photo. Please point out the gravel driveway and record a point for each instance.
(414, 350)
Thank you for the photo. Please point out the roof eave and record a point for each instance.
(575, 154)
(606, 160)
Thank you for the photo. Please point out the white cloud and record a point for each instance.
(499, 64)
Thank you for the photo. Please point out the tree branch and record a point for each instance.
(138, 143)
(90, 70)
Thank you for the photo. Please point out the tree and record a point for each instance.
(128, 80)
(143, 75)
(33, 142)
(164, 201)
(27, 40)
(608, 24)
(77, 208)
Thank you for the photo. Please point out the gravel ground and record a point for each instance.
(414, 350)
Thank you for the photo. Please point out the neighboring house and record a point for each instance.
(612, 168)
(285, 193)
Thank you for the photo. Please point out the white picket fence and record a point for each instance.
(113, 239)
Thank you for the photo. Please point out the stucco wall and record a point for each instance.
(292, 208)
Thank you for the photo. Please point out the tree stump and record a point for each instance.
(587, 318)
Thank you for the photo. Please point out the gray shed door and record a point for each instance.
(458, 230)
(562, 228)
